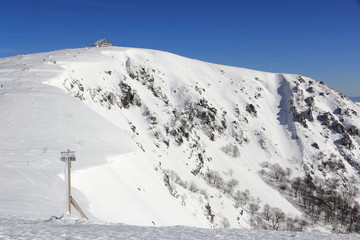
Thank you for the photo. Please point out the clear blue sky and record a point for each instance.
(316, 38)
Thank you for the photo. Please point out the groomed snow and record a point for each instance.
(14, 228)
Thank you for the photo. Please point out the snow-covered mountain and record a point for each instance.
(166, 140)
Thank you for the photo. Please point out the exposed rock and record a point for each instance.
(339, 111)
(346, 141)
(310, 90)
(310, 101)
(129, 96)
(300, 79)
(145, 77)
(353, 131)
(338, 127)
(309, 115)
(348, 112)
(315, 145)
(326, 119)
(251, 109)
(300, 118)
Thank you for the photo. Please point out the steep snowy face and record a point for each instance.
(326, 124)
(167, 140)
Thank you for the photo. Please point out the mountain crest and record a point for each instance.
(166, 140)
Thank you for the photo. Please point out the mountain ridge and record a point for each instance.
(175, 141)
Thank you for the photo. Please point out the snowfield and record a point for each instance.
(163, 140)
(14, 228)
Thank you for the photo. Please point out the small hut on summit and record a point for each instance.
(102, 43)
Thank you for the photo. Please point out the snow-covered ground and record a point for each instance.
(148, 127)
(14, 228)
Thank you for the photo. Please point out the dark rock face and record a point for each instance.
(310, 101)
(300, 118)
(326, 118)
(310, 90)
(338, 127)
(353, 131)
(315, 145)
(251, 109)
(146, 77)
(309, 115)
(346, 141)
(129, 96)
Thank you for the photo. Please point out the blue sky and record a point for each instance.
(316, 38)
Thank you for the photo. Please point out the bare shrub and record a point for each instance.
(231, 150)
(225, 223)
(241, 198)
(230, 185)
(277, 217)
(192, 187)
(253, 208)
(266, 212)
(214, 179)
(278, 173)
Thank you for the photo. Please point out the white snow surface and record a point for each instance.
(60, 229)
(74, 99)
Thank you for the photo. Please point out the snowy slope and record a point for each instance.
(159, 137)
(37, 122)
